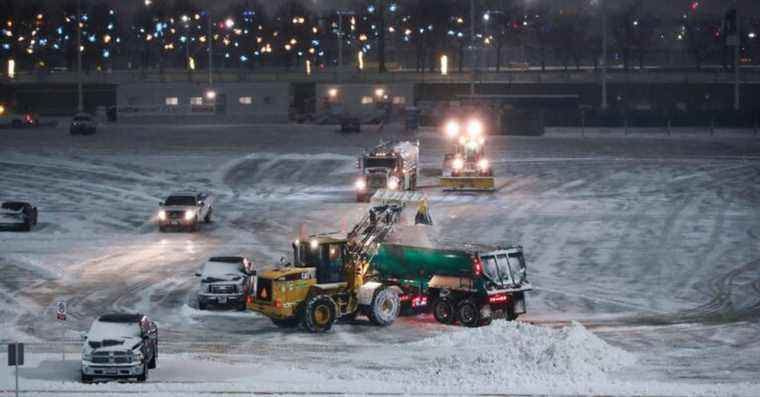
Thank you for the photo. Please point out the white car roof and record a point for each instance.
(101, 330)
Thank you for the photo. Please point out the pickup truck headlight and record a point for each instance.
(360, 184)
(86, 356)
(138, 356)
(189, 215)
(162, 215)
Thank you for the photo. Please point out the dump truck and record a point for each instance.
(327, 279)
(391, 165)
(470, 285)
(465, 165)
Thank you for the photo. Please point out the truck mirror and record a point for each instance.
(197, 274)
(160, 203)
(83, 335)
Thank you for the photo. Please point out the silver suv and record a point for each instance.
(225, 281)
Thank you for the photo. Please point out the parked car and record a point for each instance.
(18, 215)
(83, 124)
(350, 124)
(185, 210)
(120, 345)
(18, 120)
(226, 281)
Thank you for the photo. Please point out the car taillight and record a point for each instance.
(249, 300)
(477, 267)
(419, 300)
(277, 303)
(500, 298)
(404, 298)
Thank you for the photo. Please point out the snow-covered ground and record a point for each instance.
(644, 251)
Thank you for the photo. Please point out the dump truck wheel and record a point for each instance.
(287, 323)
(443, 311)
(319, 314)
(468, 313)
(385, 307)
(511, 316)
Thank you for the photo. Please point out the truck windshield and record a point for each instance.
(380, 162)
(180, 200)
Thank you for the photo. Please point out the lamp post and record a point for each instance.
(486, 20)
(604, 54)
(80, 93)
(340, 41)
(737, 63)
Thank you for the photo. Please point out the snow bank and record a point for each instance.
(509, 356)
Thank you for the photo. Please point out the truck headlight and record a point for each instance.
(86, 356)
(452, 129)
(393, 183)
(189, 215)
(138, 356)
(474, 128)
(360, 184)
(162, 215)
(458, 164)
(483, 164)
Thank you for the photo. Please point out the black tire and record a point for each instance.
(27, 227)
(241, 307)
(511, 316)
(162, 229)
(144, 376)
(86, 378)
(207, 218)
(443, 311)
(318, 314)
(468, 313)
(385, 307)
(202, 305)
(286, 323)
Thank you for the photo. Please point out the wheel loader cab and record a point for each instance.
(326, 255)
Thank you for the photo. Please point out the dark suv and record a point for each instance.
(120, 345)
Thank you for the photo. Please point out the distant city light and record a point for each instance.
(11, 68)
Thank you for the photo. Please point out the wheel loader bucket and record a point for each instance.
(468, 183)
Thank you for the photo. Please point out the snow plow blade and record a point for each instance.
(468, 183)
(384, 196)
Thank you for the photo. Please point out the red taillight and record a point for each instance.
(277, 303)
(419, 300)
(249, 300)
(477, 267)
(498, 298)
(404, 298)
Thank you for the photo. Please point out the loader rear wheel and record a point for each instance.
(319, 314)
(443, 311)
(385, 307)
(468, 313)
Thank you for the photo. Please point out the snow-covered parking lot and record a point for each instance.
(644, 252)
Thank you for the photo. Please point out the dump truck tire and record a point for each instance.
(385, 307)
(443, 311)
(318, 314)
(468, 313)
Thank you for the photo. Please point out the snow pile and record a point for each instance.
(510, 356)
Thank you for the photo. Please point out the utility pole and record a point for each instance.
(737, 47)
(604, 54)
(80, 93)
(210, 52)
(472, 47)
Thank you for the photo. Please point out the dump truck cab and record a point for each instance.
(465, 165)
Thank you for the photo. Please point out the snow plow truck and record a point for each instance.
(465, 165)
(392, 166)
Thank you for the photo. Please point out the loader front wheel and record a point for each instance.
(385, 307)
(319, 314)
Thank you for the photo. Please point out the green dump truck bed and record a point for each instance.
(410, 263)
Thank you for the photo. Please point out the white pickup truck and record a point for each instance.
(185, 211)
